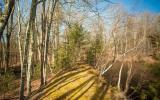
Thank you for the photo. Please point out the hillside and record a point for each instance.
(76, 84)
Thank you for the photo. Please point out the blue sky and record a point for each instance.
(136, 5)
(1, 4)
(140, 5)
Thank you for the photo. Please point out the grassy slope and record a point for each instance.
(76, 84)
(81, 83)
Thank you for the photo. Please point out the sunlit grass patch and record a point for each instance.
(80, 84)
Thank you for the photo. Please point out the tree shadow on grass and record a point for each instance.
(51, 89)
(80, 87)
(84, 91)
(59, 79)
(101, 92)
(69, 70)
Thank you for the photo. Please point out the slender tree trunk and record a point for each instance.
(58, 14)
(29, 44)
(38, 40)
(28, 49)
(4, 19)
(129, 77)
(8, 42)
(119, 77)
(20, 55)
(48, 35)
(43, 42)
(3, 55)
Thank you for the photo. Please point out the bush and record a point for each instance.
(91, 56)
(69, 53)
(94, 50)
(151, 91)
(7, 82)
(36, 71)
(154, 69)
(64, 58)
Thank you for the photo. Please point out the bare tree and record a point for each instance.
(45, 43)
(28, 50)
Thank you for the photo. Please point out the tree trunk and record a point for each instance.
(45, 43)
(28, 48)
(29, 43)
(8, 41)
(5, 16)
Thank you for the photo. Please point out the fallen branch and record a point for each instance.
(130, 50)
